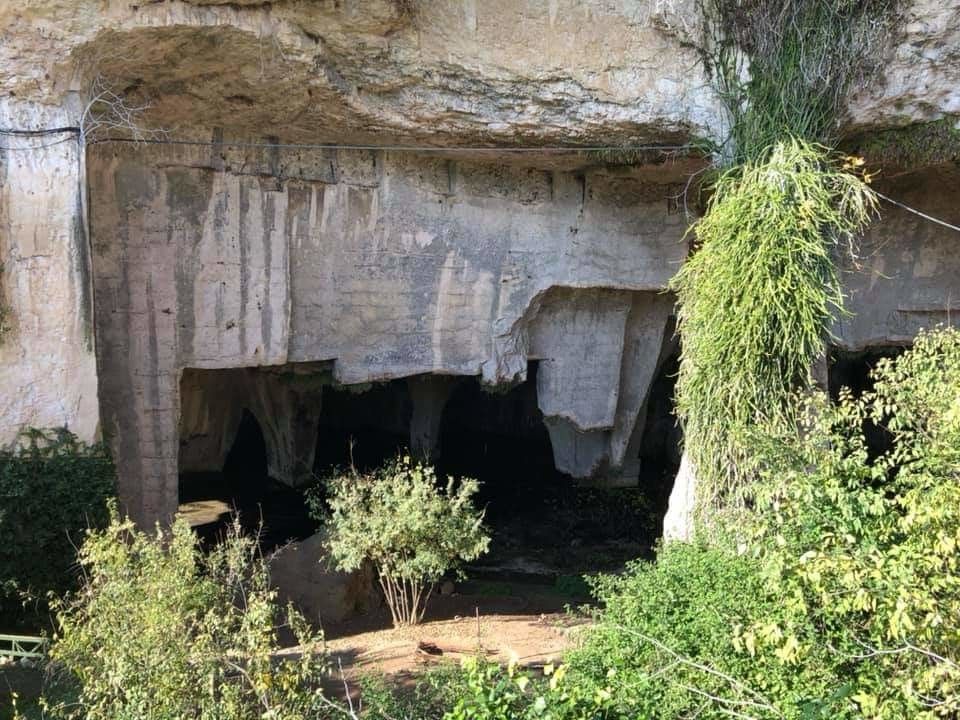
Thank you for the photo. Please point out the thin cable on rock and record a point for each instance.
(391, 148)
(924, 215)
(402, 148)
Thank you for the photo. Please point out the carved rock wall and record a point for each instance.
(48, 375)
(388, 265)
(908, 273)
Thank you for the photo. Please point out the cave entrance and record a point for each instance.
(661, 444)
(547, 527)
(234, 431)
(362, 426)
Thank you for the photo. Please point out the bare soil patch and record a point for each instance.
(528, 624)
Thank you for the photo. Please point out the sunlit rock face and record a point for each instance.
(496, 71)
(129, 270)
(920, 71)
(384, 265)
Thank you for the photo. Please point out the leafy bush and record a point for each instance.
(864, 552)
(52, 487)
(411, 530)
(836, 596)
(757, 299)
(159, 631)
(436, 690)
(666, 643)
(491, 692)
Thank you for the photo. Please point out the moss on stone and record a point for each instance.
(912, 147)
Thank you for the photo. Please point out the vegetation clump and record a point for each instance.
(760, 294)
(52, 488)
(756, 298)
(413, 531)
(836, 596)
(914, 146)
(158, 630)
(784, 68)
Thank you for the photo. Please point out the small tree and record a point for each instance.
(412, 531)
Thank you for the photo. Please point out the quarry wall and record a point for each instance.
(126, 266)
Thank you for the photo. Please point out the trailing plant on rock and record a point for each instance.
(784, 68)
(758, 295)
(409, 528)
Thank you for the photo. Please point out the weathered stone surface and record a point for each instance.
(212, 403)
(47, 363)
(301, 575)
(921, 71)
(497, 71)
(202, 268)
(469, 71)
(679, 522)
(385, 264)
(908, 273)
(428, 395)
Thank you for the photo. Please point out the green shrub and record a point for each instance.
(412, 531)
(864, 552)
(666, 644)
(837, 595)
(492, 692)
(52, 487)
(436, 690)
(159, 631)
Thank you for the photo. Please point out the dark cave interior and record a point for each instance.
(542, 521)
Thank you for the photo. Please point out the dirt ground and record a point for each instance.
(525, 622)
(529, 625)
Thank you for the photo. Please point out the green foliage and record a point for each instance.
(491, 692)
(757, 298)
(52, 487)
(836, 597)
(784, 68)
(411, 530)
(436, 689)
(159, 631)
(665, 642)
(865, 551)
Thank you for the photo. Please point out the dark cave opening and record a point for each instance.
(854, 371)
(662, 441)
(362, 426)
(544, 523)
(244, 489)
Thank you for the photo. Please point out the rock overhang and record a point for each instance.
(500, 91)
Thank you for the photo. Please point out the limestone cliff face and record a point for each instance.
(457, 70)
(367, 265)
(47, 363)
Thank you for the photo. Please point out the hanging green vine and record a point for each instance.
(759, 295)
(784, 68)
(757, 298)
